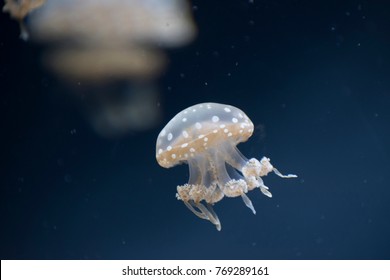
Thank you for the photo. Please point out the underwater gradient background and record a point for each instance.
(314, 77)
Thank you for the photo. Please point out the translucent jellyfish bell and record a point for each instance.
(205, 137)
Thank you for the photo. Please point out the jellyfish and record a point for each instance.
(205, 137)
(98, 45)
(19, 10)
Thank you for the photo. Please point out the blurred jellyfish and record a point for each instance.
(127, 108)
(103, 42)
(114, 22)
(19, 9)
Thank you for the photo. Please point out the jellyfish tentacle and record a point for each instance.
(211, 210)
(263, 188)
(235, 158)
(195, 173)
(211, 215)
(190, 206)
(283, 176)
(248, 203)
(205, 213)
(191, 195)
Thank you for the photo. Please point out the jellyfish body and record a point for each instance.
(205, 137)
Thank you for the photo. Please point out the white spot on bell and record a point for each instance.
(170, 136)
(215, 119)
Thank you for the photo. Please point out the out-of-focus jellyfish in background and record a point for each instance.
(101, 43)
(19, 9)
(205, 137)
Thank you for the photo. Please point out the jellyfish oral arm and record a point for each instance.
(248, 203)
(205, 213)
(266, 167)
(284, 176)
(255, 169)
